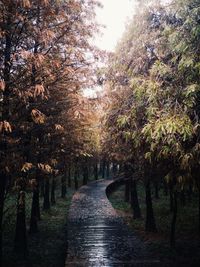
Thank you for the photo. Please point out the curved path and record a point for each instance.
(97, 236)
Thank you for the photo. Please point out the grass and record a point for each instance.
(48, 246)
(187, 252)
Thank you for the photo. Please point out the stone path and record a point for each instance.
(97, 236)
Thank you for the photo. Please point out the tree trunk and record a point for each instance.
(46, 203)
(42, 187)
(35, 211)
(96, 171)
(114, 169)
(37, 196)
(182, 198)
(2, 195)
(76, 174)
(103, 169)
(171, 197)
(156, 190)
(199, 211)
(121, 167)
(20, 244)
(64, 184)
(107, 169)
(69, 176)
(173, 223)
(134, 200)
(127, 191)
(150, 224)
(53, 188)
(165, 187)
(85, 173)
(189, 193)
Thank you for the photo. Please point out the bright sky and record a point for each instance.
(114, 16)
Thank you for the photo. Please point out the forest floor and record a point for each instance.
(47, 248)
(187, 252)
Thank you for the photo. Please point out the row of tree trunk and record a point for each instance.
(131, 196)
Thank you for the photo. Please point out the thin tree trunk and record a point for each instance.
(182, 198)
(69, 176)
(150, 224)
(199, 211)
(156, 190)
(127, 191)
(96, 171)
(2, 195)
(37, 202)
(103, 169)
(46, 203)
(76, 174)
(171, 197)
(107, 169)
(165, 187)
(35, 211)
(114, 169)
(64, 185)
(53, 188)
(100, 168)
(134, 200)
(85, 173)
(20, 244)
(173, 223)
(189, 193)
(121, 167)
(42, 187)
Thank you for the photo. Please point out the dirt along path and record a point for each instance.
(97, 236)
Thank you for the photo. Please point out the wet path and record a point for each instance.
(97, 236)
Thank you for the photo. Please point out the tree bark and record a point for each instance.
(69, 176)
(20, 244)
(114, 168)
(35, 210)
(103, 169)
(127, 191)
(53, 188)
(34, 219)
(2, 196)
(64, 184)
(96, 171)
(76, 174)
(199, 210)
(182, 198)
(189, 193)
(42, 187)
(107, 169)
(134, 200)
(46, 203)
(173, 222)
(150, 224)
(156, 190)
(171, 196)
(85, 173)
(165, 187)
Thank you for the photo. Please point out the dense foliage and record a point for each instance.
(152, 123)
(46, 125)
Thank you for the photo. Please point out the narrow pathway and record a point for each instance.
(97, 236)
